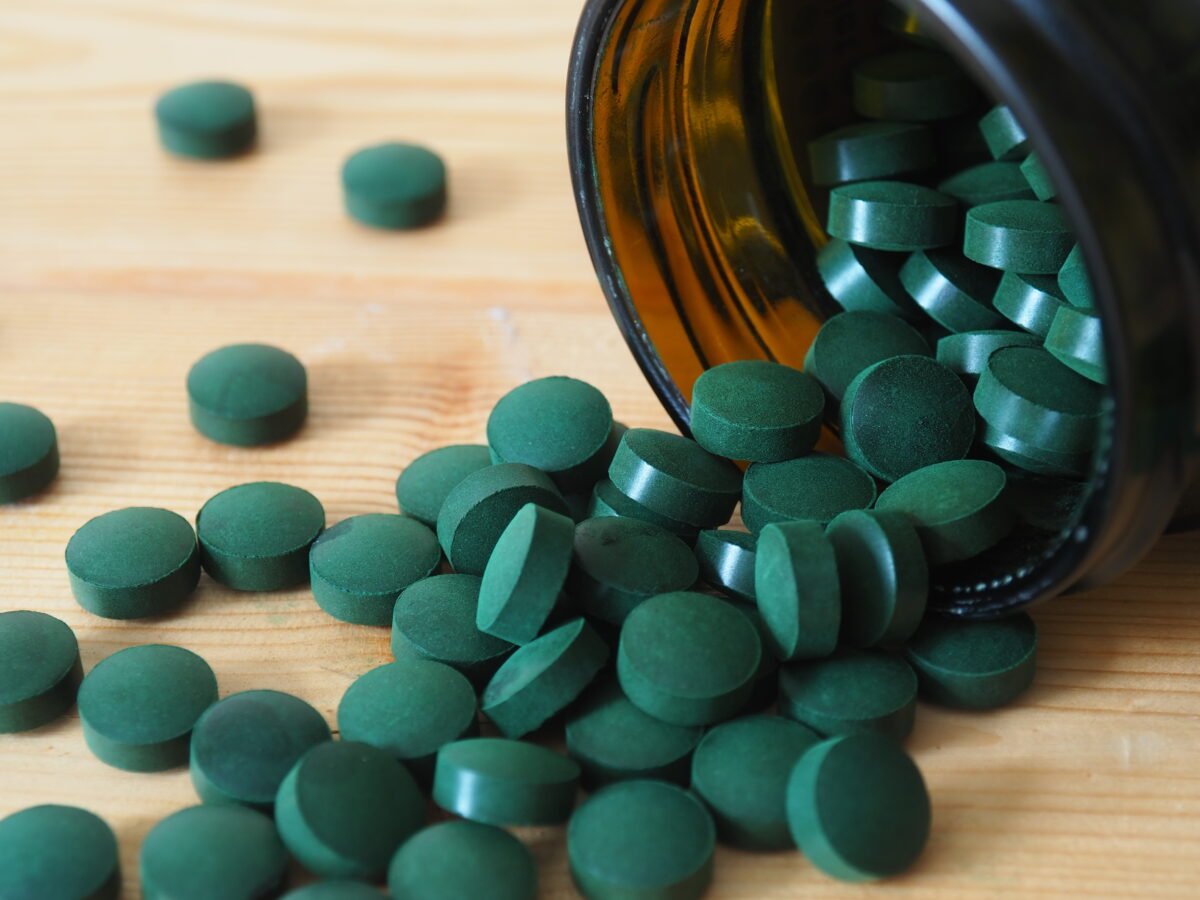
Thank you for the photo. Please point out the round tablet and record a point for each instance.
(422, 488)
(906, 413)
(132, 563)
(967, 354)
(138, 707)
(40, 670)
(247, 395)
(410, 708)
(955, 292)
(455, 860)
(1074, 281)
(817, 487)
(58, 852)
(244, 745)
(559, 425)
(864, 280)
(912, 86)
(1037, 460)
(620, 562)
(542, 678)
(688, 658)
(727, 559)
(892, 215)
(1026, 393)
(868, 150)
(974, 664)
(1039, 179)
(525, 574)
(607, 501)
(988, 182)
(641, 839)
(334, 890)
(858, 808)
(1005, 138)
(850, 342)
(345, 808)
(740, 771)
(361, 565)
(797, 587)
(850, 692)
(502, 782)
(213, 851)
(207, 120)
(1076, 339)
(479, 508)
(256, 537)
(959, 508)
(1030, 301)
(613, 740)
(394, 186)
(675, 477)
(28, 452)
(435, 619)
(756, 410)
(1023, 236)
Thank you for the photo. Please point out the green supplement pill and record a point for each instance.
(256, 537)
(817, 487)
(132, 563)
(688, 658)
(858, 808)
(959, 508)
(58, 853)
(799, 595)
(476, 512)
(245, 744)
(361, 565)
(870, 150)
(1026, 393)
(1030, 301)
(211, 852)
(620, 562)
(498, 781)
(851, 692)
(410, 708)
(741, 770)
(28, 452)
(422, 488)
(40, 670)
(1022, 236)
(1039, 179)
(644, 839)
(607, 501)
(1034, 459)
(989, 182)
(757, 410)
(138, 707)
(542, 678)
(852, 341)
(906, 413)
(1076, 339)
(458, 860)
(613, 740)
(974, 664)
(248, 395)
(1074, 281)
(912, 86)
(954, 292)
(863, 280)
(883, 573)
(892, 215)
(559, 425)
(675, 477)
(345, 808)
(207, 120)
(727, 560)
(1006, 139)
(334, 890)
(394, 186)
(525, 574)
(435, 619)
(966, 354)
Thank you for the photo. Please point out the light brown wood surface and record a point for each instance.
(120, 266)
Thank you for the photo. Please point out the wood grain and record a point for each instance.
(120, 266)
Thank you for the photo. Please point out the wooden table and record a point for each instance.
(120, 266)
